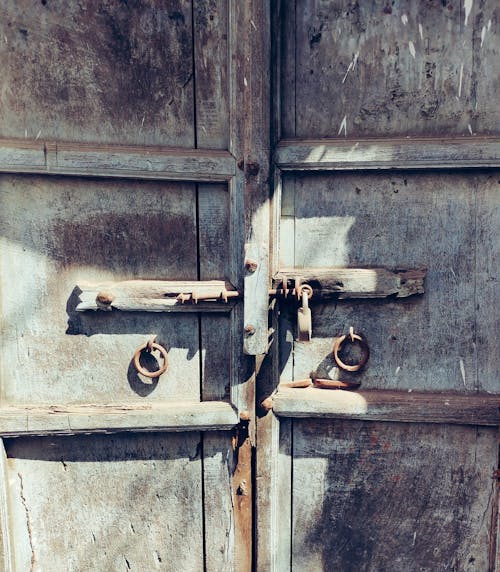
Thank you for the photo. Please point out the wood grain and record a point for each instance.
(142, 498)
(380, 154)
(390, 70)
(344, 283)
(114, 73)
(135, 417)
(382, 405)
(372, 496)
(97, 160)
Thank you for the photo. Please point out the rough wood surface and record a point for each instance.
(108, 502)
(380, 405)
(377, 69)
(58, 232)
(113, 73)
(343, 283)
(414, 153)
(6, 563)
(66, 420)
(373, 496)
(155, 296)
(444, 222)
(19, 156)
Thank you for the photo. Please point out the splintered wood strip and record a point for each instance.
(342, 283)
(116, 161)
(416, 153)
(60, 420)
(6, 563)
(154, 295)
(382, 405)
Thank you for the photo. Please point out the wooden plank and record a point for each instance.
(94, 160)
(256, 300)
(486, 281)
(211, 60)
(56, 233)
(126, 499)
(421, 343)
(343, 283)
(395, 70)
(383, 405)
(414, 153)
(218, 508)
(6, 563)
(120, 74)
(415, 496)
(155, 295)
(69, 420)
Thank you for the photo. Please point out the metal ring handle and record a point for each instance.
(149, 346)
(352, 338)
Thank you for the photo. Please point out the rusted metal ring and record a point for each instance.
(149, 346)
(305, 288)
(353, 338)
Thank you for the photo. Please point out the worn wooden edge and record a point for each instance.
(256, 301)
(6, 556)
(70, 420)
(342, 283)
(83, 159)
(407, 153)
(156, 296)
(388, 405)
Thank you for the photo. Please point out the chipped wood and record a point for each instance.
(156, 296)
(344, 283)
(69, 420)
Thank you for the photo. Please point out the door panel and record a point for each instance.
(378, 496)
(395, 221)
(361, 69)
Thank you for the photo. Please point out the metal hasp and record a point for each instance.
(323, 284)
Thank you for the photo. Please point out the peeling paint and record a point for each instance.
(404, 19)
(351, 66)
(483, 35)
(343, 126)
(460, 79)
(467, 8)
(411, 47)
(462, 371)
(421, 32)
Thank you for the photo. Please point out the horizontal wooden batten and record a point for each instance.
(384, 405)
(157, 296)
(343, 283)
(414, 153)
(69, 420)
(89, 160)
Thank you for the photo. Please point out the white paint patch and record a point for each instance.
(398, 369)
(343, 126)
(411, 47)
(38, 135)
(467, 8)
(421, 32)
(470, 129)
(460, 79)
(404, 19)
(489, 25)
(483, 35)
(253, 25)
(414, 538)
(462, 371)
(351, 66)
(245, 82)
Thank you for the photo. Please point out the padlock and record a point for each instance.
(304, 318)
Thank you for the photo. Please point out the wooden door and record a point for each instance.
(386, 131)
(125, 156)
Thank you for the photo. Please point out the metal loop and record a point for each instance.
(149, 346)
(306, 288)
(353, 339)
(305, 300)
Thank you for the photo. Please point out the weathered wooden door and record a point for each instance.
(136, 165)
(385, 121)
(123, 158)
